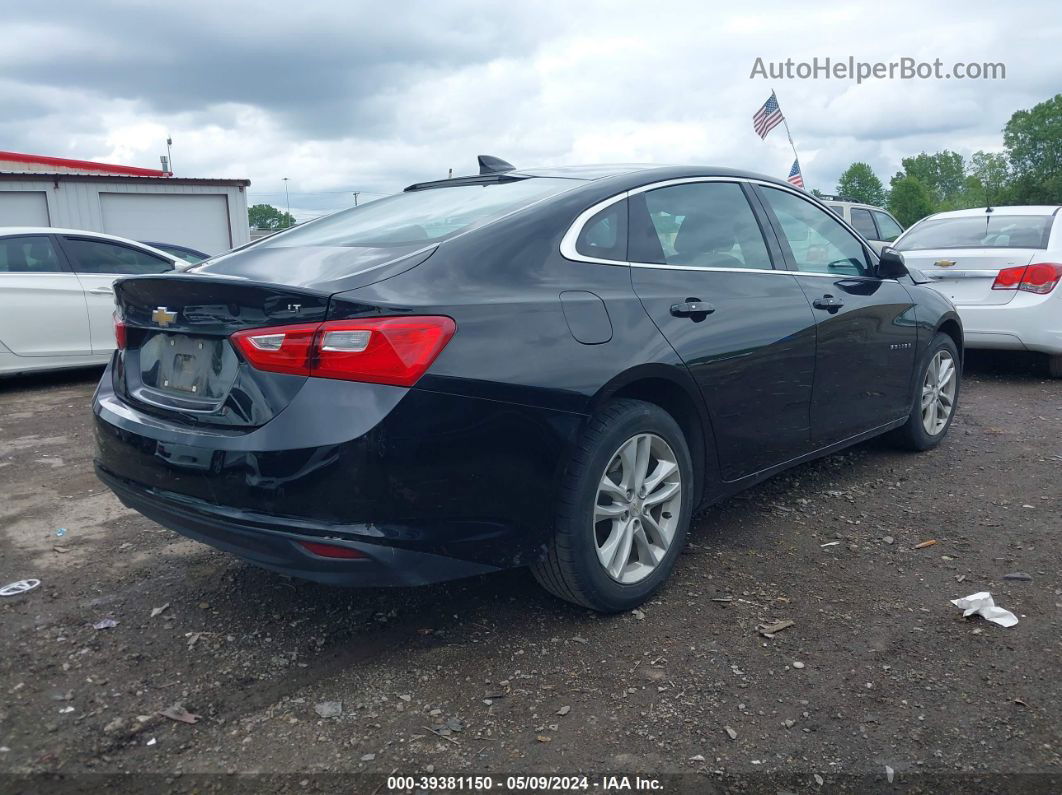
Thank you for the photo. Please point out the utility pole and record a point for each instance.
(287, 200)
(356, 197)
(169, 157)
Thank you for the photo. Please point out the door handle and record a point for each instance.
(691, 306)
(101, 291)
(828, 302)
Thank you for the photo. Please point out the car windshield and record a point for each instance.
(421, 217)
(990, 231)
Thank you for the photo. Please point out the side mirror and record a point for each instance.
(890, 264)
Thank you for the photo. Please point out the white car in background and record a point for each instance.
(873, 223)
(1000, 266)
(56, 294)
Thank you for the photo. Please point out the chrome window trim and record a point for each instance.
(567, 245)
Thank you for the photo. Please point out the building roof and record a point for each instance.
(66, 166)
(20, 166)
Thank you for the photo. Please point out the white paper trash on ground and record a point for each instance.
(983, 604)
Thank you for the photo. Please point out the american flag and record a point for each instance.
(768, 117)
(795, 177)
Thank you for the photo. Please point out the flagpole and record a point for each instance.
(789, 135)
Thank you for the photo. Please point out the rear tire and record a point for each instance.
(927, 426)
(1054, 366)
(614, 546)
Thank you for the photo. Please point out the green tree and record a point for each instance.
(859, 182)
(1034, 148)
(943, 174)
(988, 179)
(909, 200)
(266, 216)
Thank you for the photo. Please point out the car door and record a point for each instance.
(702, 268)
(42, 306)
(97, 263)
(866, 328)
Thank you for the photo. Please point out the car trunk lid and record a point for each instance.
(178, 361)
(966, 275)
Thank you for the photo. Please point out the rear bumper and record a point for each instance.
(430, 486)
(1029, 322)
(272, 543)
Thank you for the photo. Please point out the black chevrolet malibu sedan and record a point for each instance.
(552, 368)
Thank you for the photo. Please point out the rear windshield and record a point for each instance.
(990, 231)
(422, 216)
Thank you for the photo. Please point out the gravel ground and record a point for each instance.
(492, 676)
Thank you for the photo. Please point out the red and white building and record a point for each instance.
(138, 203)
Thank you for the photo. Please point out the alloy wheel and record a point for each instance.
(636, 514)
(938, 392)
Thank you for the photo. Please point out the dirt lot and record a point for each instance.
(492, 676)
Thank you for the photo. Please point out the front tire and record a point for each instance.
(624, 509)
(936, 397)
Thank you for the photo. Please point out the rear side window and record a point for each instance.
(863, 223)
(698, 225)
(988, 231)
(605, 235)
(421, 217)
(888, 229)
(101, 256)
(28, 254)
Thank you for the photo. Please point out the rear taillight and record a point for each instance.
(119, 332)
(1040, 278)
(388, 350)
(285, 349)
(1008, 278)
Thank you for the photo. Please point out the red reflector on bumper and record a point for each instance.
(331, 550)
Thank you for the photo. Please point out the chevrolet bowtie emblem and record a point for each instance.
(944, 263)
(163, 316)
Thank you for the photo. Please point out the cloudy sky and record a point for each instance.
(344, 95)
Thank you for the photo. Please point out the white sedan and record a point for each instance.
(1000, 266)
(57, 298)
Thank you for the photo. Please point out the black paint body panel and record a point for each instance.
(466, 464)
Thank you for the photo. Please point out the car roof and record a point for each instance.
(979, 212)
(11, 231)
(588, 173)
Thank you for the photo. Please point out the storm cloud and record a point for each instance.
(370, 96)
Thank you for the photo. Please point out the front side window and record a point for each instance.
(888, 229)
(421, 217)
(101, 256)
(699, 225)
(818, 241)
(605, 235)
(28, 254)
(863, 223)
(984, 231)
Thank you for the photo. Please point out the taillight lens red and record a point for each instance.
(1040, 278)
(119, 332)
(1008, 278)
(285, 349)
(388, 350)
